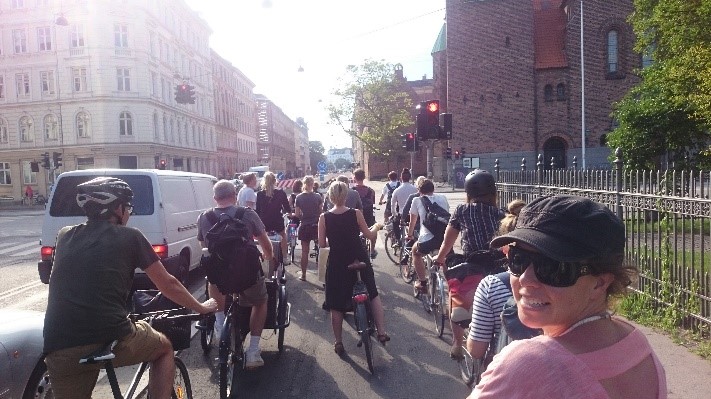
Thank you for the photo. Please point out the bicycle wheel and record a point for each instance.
(467, 368)
(281, 317)
(208, 333)
(392, 252)
(230, 358)
(361, 317)
(181, 381)
(407, 271)
(436, 299)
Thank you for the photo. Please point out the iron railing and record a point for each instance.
(667, 215)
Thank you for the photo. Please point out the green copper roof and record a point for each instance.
(441, 42)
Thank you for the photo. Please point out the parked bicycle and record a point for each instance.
(175, 324)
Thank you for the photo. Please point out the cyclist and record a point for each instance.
(271, 206)
(399, 198)
(405, 218)
(247, 196)
(367, 197)
(308, 207)
(477, 220)
(94, 263)
(428, 241)
(387, 193)
(352, 198)
(254, 296)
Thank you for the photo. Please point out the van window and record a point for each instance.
(64, 201)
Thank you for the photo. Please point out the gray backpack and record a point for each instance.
(511, 327)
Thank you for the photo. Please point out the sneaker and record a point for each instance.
(373, 254)
(254, 359)
(421, 286)
(456, 353)
(405, 260)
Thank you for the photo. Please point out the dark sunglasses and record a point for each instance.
(129, 208)
(548, 271)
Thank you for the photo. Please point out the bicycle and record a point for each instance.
(206, 325)
(291, 234)
(392, 243)
(176, 327)
(363, 314)
(470, 369)
(437, 295)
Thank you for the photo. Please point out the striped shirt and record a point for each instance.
(478, 223)
(489, 300)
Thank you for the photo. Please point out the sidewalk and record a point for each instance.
(688, 375)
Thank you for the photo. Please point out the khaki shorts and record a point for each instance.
(254, 295)
(76, 381)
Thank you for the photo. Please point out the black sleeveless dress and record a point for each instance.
(343, 236)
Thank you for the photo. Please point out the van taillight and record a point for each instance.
(46, 253)
(161, 251)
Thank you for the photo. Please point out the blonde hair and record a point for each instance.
(419, 180)
(508, 223)
(337, 193)
(308, 181)
(268, 183)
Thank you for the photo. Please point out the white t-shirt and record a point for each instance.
(392, 184)
(418, 208)
(400, 196)
(246, 194)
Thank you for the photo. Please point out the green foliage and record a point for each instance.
(372, 106)
(669, 112)
(316, 155)
(341, 163)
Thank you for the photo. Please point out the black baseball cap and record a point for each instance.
(567, 228)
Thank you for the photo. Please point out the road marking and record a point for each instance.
(20, 289)
(25, 253)
(7, 244)
(15, 248)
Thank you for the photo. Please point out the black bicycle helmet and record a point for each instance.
(98, 195)
(479, 183)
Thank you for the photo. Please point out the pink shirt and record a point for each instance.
(540, 367)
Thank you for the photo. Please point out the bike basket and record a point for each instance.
(177, 331)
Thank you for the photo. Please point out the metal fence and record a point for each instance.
(667, 215)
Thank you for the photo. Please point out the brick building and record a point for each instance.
(510, 73)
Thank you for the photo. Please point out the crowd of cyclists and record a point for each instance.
(105, 252)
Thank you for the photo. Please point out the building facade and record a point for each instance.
(334, 154)
(301, 143)
(95, 83)
(235, 118)
(276, 137)
(512, 73)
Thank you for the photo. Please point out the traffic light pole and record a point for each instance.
(430, 149)
(412, 161)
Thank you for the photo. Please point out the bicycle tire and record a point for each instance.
(364, 331)
(467, 368)
(407, 272)
(182, 389)
(281, 317)
(392, 252)
(436, 304)
(230, 359)
(206, 336)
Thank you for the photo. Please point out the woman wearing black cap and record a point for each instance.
(477, 220)
(566, 258)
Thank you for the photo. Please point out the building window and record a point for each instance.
(44, 38)
(22, 82)
(154, 84)
(603, 140)
(79, 79)
(82, 121)
(5, 173)
(156, 127)
(548, 92)
(648, 55)
(28, 176)
(47, 80)
(120, 35)
(128, 162)
(85, 163)
(19, 41)
(50, 127)
(125, 124)
(18, 4)
(2, 86)
(612, 52)
(76, 36)
(3, 132)
(560, 92)
(165, 129)
(123, 79)
(26, 132)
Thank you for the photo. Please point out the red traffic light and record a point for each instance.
(433, 106)
(410, 136)
(183, 87)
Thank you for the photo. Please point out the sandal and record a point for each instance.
(303, 277)
(338, 348)
(383, 338)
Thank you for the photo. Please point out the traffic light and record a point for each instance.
(446, 132)
(190, 95)
(427, 121)
(162, 164)
(45, 160)
(57, 159)
(448, 153)
(181, 94)
(410, 142)
(456, 154)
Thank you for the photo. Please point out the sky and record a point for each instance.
(268, 40)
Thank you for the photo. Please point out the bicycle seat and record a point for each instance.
(101, 354)
(357, 266)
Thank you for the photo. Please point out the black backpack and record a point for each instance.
(511, 327)
(234, 263)
(390, 194)
(436, 217)
(367, 200)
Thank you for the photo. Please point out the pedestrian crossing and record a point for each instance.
(20, 249)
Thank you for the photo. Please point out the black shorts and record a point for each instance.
(308, 232)
(430, 245)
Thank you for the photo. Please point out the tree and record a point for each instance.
(316, 151)
(372, 106)
(341, 163)
(669, 113)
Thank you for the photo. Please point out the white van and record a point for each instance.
(166, 206)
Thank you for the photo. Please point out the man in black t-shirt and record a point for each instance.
(90, 283)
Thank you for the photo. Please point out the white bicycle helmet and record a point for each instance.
(98, 195)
